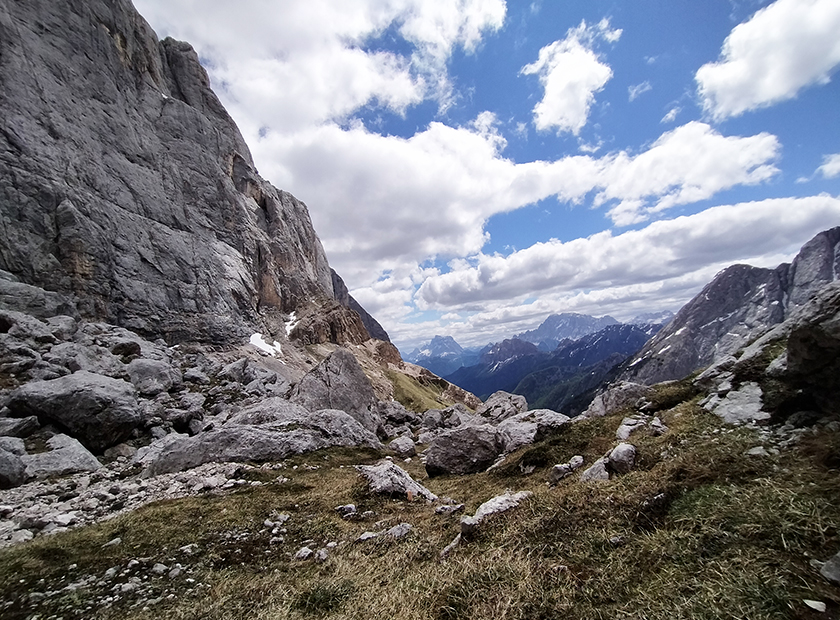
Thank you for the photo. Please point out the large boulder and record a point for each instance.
(291, 433)
(151, 377)
(502, 405)
(527, 427)
(65, 456)
(98, 410)
(463, 450)
(339, 382)
(12, 469)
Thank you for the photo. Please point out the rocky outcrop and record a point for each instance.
(128, 195)
(528, 427)
(740, 304)
(343, 296)
(502, 405)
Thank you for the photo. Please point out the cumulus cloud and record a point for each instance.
(430, 195)
(571, 73)
(299, 62)
(663, 250)
(691, 163)
(830, 167)
(769, 58)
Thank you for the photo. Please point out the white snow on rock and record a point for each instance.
(272, 349)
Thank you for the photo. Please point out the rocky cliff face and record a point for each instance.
(127, 189)
(736, 307)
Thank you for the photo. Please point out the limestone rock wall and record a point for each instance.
(126, 187)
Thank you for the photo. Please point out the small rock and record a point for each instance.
(321, 556)
(347, 511)
(368, 536)
(175, 572)
(304, 553)
(622, 458)
(815, 605)
(112, 543)
(449, 510)
(398, 531)
(757, 451)
(597, 472)
(159, 569)
(831, 569)
(21, 536)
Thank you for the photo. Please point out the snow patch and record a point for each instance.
(663, 349)
(258, 341)
(290, 324)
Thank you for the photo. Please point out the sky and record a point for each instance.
(472, 166)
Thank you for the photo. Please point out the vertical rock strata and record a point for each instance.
(126, 187)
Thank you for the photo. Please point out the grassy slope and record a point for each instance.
(699, 530)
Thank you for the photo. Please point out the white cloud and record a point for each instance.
(830, 167)
(671, 116)
(431, 194)
(571, 74)
(664, 249)
(688, 164)
(769, 58)
(288, 64)
(635, 91)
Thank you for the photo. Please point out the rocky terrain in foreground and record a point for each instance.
(198, 421)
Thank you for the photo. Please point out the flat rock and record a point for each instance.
(616, 397)
(19, 427)
(496, 505)
(831, 569)
(739, 406)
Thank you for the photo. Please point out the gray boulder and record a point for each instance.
(403, 446)
(622, 458)
(12, 470)
(292, 433)
(18, 427)
(65, 456)
(502, 405)
(386, 478)
(527, 427)
(151, 377)
(268, 411)
(463, 450)
(339, 382)
(90, 357)
(614, 398)
(739, 406)
(99, 410)
(394, 413)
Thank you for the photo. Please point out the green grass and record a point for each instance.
(697, 530)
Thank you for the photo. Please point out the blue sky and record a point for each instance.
(472, 166)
